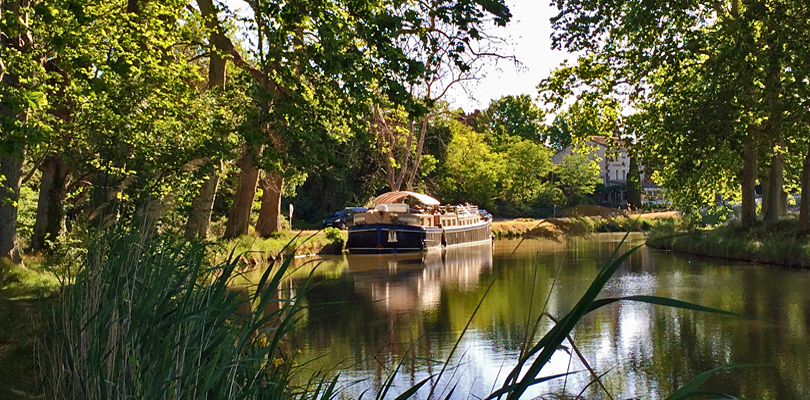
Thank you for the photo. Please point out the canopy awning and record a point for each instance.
(394, 197)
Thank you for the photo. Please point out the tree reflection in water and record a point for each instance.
(367, 313)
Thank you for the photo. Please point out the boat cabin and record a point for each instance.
(418, 210)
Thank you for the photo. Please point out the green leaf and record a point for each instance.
(691, 388)
(663, 301)
(412, 390)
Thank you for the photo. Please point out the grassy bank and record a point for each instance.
(579, 223)
(779, 245)
(257, 251)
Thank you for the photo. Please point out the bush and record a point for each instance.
(333, 234)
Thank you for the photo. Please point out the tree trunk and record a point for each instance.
(404, 168)
(770, 208)
(11, 165)
(634, 188)
(50, 221)
(763, 183)
(419, 147)
(269, 214)
(748, 215)
(804, 203)
(11, 169)
(773, 91)
(239, 215)
(202, 205)
(783, 203)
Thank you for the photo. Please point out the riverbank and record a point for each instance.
(779, 245)
(575, 221)
(580, 221)
(257, 251)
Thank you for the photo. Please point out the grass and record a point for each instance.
(25, 296)
(259, 252)
(779, 244)
(556, 228)
(148, 316)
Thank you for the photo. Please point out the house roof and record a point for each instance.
(599, 140)
(394, 197)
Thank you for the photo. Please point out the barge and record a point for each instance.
(406, 221)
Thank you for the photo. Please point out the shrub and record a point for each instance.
(333, 234)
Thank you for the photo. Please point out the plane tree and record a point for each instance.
(318, 67)
(450, 40)
(511, 116)
(740, 53)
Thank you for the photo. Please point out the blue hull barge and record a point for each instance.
(407, 222)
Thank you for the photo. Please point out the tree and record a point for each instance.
(527, 166)
(19, 99)
(472, 168)
(515, 116)
(634, 187)
(559, 135)
(203, 203)
(577, 175)
(452, 47)
(318, 68)
(738, 50)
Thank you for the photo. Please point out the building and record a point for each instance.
(613, 163)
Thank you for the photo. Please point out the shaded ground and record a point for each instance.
(24, 294)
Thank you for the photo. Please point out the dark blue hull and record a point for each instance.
(374, 239)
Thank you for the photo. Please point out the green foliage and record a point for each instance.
(473, 168)
(333, 234)
(559, 134)
(511, 116)
(577, 175)
(519, 179)
(26, 213)
(703, 80)
(525, 175)
(581, 96)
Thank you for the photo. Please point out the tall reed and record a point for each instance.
(147, 317)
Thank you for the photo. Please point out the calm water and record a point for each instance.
(368, 313)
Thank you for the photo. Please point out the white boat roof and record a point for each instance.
(393, 197)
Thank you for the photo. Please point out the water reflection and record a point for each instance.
(409, 283)
(367, 313)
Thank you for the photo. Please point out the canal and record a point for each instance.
(367, 314)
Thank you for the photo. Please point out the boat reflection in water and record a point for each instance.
(378, 310)
(402, 283)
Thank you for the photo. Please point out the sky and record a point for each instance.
(529, 33)
(529, 38)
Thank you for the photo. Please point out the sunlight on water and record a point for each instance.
(368, 313)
